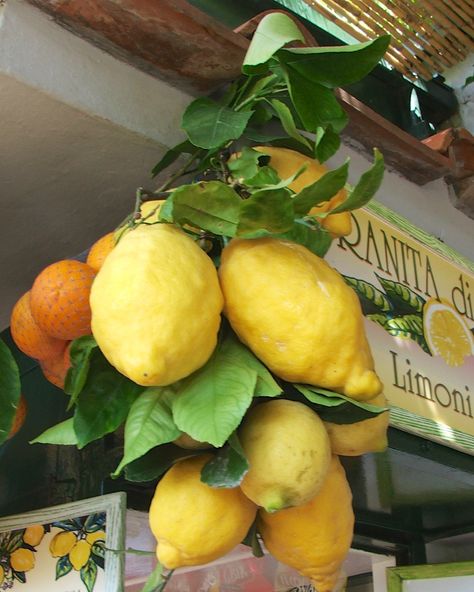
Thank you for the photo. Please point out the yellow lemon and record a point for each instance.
(446, 333)
(156, 305)
(185, 441)
(369, 435)
(80, 554)
(314, 538)
(62, 543)
(288, 452)
(194, 523)
(22, 560)
(2, 575)
(92, 537)
(34, 535)
(286, 162)
(297, 315)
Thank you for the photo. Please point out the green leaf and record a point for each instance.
(270, 211)
(401, 299)
(80, 354)
(312, 236)
(327, 143)
(228, 467)
(20, 576)
(252, 541)
(211, 402)
(210, 125)
(212, 206)
(245, 165)
(149, 424)
(155, 462)
(154, 580)
(315, 104)
(372, 300)
(273, 32)
(10, 388)
(336, 66)
(89, 575)
(337, 408)
(63, 566)
(61, 434)
(266, 177)
(171, 155)
(95, 522)
(321, 190)
(366, 187)
(288, 123)
(104, 402)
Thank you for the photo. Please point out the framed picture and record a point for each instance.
(456, 577)
(66, 548)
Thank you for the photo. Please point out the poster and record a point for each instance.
(417, 298)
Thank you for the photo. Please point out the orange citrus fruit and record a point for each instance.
(99, 251)
(34, 535)
(55, 369)
(60, 299)
(446, 332)
(22, 559)
(20, 417)
(79, 554)
(28, 336)
(62, 543)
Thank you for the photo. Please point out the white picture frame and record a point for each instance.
(46, 543)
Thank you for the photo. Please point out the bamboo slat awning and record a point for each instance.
(428, 36)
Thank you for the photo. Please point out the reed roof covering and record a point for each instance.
(428, 36)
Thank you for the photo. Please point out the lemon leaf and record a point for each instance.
(9, 390)
(266, 212)
(155, 462)
(313, 237)
(321, 190)
(273, 32)
(337, 408)
(80, 353)
(104, 401)
(210, 125)
(149, 424)
(366, 187)
(228, 467)
(61, 434)
(89, 575)
(212, 206)
(211, 402)
(327, 143)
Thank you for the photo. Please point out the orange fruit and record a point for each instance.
(55, 369)
(34, 535)
(20, 417)
(28, 336)
(22, 559)
(99, 251)
(60, 299)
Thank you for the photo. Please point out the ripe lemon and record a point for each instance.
(62, 543)
(288, 452)
(369, 435)
(2, 575)
(314, 538)
(194, 523)
(286, 162)
(34, 535)
(92, 537)
(22, 559)
(297, 315)
(80, 554)
(446, 333)
(156, 305)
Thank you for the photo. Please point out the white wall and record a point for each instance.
(456, 78)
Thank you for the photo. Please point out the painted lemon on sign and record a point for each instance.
(446, 332)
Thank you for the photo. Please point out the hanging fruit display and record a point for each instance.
(209, 320)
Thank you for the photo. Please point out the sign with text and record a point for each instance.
(418, 303)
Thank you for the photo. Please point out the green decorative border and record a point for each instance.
(428, 240)
(397, 575)
(430, 429)
(113, 504)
